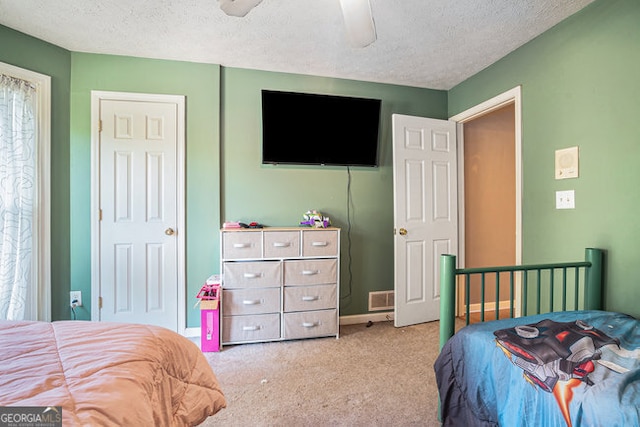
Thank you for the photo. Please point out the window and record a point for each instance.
(24, 194)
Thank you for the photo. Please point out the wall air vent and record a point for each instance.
(381, 300)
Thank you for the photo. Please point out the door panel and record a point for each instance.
(138, 200)
(425, 213)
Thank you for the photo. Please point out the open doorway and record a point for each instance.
(490, 195)
(415, 132)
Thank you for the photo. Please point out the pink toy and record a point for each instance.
(209, 296)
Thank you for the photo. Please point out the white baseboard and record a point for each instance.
(488, 306)
(355, 319)
(191, 332)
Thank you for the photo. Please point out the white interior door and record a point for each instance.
(139, 205)
(425, 213)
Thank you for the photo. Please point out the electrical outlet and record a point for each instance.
(77, 297)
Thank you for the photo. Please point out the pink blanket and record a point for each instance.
(107, 373)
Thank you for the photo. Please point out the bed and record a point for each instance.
(106, 373)
(565, 362)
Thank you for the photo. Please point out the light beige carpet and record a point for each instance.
(371, 376)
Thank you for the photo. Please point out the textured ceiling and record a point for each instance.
(424, 43)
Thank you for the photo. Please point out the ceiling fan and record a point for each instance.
(358, 19)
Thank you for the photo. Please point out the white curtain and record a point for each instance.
(17, 192)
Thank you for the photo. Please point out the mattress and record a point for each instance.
(588, 374)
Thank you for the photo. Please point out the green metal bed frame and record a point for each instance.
(586, 289)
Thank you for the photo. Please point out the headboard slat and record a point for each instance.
(591, 296)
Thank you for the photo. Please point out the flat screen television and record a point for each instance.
(313, 129)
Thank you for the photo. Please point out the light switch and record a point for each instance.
(565, 199)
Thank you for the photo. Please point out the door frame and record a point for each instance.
(179, 101)
(512, 96)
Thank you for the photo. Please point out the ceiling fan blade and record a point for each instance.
(238, 8)
(358, 21)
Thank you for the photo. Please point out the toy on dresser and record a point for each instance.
(315, 219)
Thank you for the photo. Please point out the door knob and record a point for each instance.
(403, 232)
(169, 231)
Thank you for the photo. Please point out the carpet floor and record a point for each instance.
(371, 376)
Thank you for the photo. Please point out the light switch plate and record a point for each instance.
(566, 199)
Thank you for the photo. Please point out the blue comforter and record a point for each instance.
(481, 385)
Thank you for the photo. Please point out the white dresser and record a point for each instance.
(279, 283)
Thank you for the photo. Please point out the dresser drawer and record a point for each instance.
(250, 301)
(258, 274)
(281, 244)
(306, 324)
(305, 298)
(319, 243)
(241, 244)
(310, 272)
(259, 327)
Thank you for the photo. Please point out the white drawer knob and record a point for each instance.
(252, 275)
(241, 245)
(319, 243)
(251, 302)
(251, 328)
(309, 324)
(310, 298)
(281, 244)
(309, 272)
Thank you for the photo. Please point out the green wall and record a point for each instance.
(223, 119)
(237, 181)
(200, 85)
(30, 53)
(279, 195)
(580, 86)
